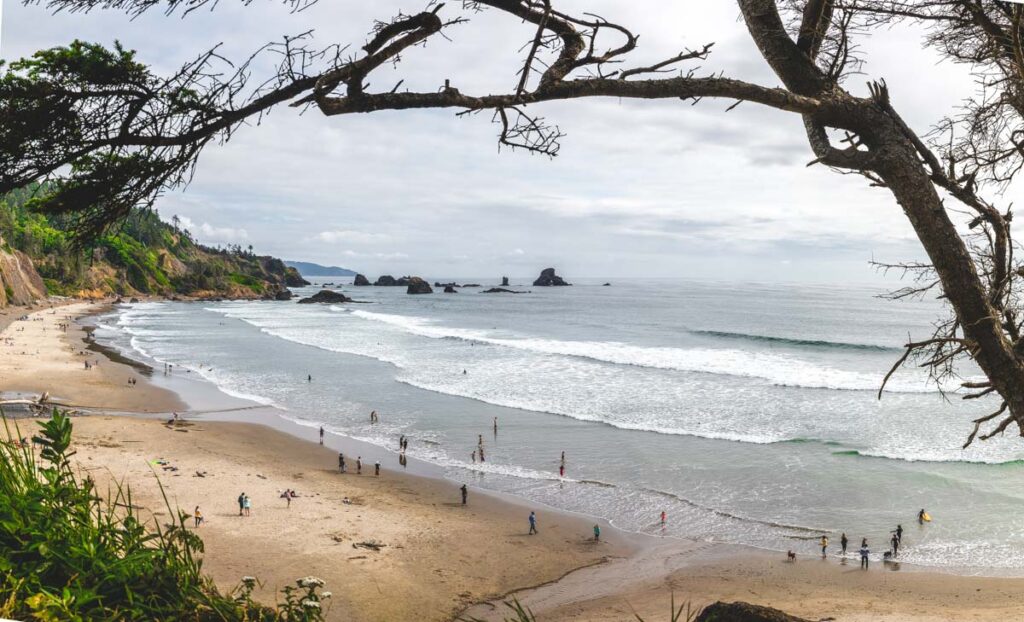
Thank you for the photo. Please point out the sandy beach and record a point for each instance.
(37, 355)
(437, 557)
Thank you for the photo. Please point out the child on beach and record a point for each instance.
(198, 516)
(864, 552)
(359, 465)
(465, 493)
(376, 468)
(824, 546)
(246, 504)
(597, 533)
(533, 523)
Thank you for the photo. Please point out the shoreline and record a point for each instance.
(655, 567)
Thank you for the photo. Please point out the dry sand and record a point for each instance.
(438, 556)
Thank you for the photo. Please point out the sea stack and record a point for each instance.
(361, 280)
(385, 280)
(548, 278)
(504, 281)
(450, 289)
(326, 296)
(418, 286)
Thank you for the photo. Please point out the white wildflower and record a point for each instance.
(310, 604)
(310, 582)
(325, 595)
(249, 580)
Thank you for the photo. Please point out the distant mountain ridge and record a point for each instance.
(308, 268)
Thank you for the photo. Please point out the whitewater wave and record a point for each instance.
(788, 341)
(939, 457)
(778, 369)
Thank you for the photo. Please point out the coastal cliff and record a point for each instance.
(20, 283)
(143, 256)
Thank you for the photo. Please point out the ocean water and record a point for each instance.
(747, 412)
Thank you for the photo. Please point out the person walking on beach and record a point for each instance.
(597, 532)
(241, 504)
(246, 504)
(843, 541)
(824, 546)
(341, 462)
(287, 496)
(359, 465)
(895, 541)
(663, 517)
(864, 552)
(465, 493)
(533, 523)
(198, 516)
(321, 435)
(376, 468)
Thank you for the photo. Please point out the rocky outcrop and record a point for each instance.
(548, 278)
(405, 280)
(500, 290)
(743, 612)
(607, 285)
(416, 285)
(471, 285)
(385, 280)
(361, 281)
(326, 296)
(284, 294)
(292, 278)
(504, 281)
(20, 284)
(450, 289)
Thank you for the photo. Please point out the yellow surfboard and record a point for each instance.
(927, 517)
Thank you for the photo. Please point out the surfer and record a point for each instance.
(921, 516)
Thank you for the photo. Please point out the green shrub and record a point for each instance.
(68, 553)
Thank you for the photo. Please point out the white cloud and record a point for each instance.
(209, 233)
(354, 237)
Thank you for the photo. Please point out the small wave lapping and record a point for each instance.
(788, 341)
(778, 369)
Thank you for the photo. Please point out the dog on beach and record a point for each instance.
(791, 556)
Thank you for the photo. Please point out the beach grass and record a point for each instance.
(69, 553)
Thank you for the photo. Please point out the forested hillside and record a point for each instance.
(144, 255)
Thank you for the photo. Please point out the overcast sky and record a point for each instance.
(640, 188)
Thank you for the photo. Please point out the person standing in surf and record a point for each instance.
(895, 542)
(920, 516)
(864, 552)
(824, 546)
(843, 541)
